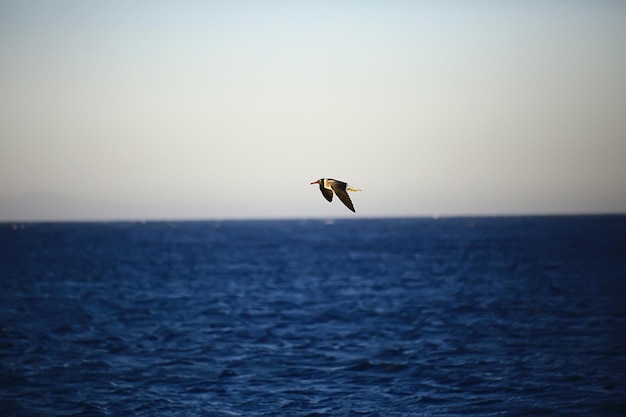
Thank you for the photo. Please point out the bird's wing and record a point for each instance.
(340, 189)
(328, 194)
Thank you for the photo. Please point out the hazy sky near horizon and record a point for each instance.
(229, 109)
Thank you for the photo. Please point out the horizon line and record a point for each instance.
(311, 218)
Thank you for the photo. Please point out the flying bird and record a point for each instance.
(329, 185)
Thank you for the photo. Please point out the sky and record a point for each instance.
(140, 110)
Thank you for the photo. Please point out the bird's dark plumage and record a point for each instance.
(329, 185)
(328, 194)
(340, 189)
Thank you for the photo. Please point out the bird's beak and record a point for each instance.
(315, 182)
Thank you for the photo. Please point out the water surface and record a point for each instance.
(510, 316)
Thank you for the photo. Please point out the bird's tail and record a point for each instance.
(350, 188)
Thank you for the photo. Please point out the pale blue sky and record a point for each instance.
(229, 109)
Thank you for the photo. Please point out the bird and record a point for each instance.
(328, 185)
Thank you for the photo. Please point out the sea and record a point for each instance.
(451, 316)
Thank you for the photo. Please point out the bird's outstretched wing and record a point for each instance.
(328, 194)
(340, 189)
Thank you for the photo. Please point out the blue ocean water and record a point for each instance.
(503, 316)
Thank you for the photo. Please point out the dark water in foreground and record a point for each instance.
(417, 317)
